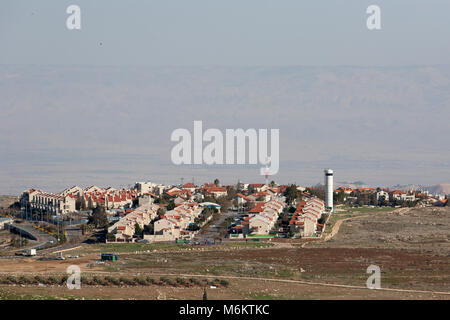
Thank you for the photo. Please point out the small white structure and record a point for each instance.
(3, 221)
(329, 189)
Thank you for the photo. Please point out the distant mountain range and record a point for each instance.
(443, 188)
(123, 118)
(353, 185)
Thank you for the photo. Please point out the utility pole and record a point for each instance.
(205, 296)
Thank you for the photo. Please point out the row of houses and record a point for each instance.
(304, 221)
(261, 218)
(264, 196)
(75, 198)
(124, 229)
(382, 194)
(54, 204)
(174, 224)
(110, 198)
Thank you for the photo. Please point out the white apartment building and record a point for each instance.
(54, 204)
(264, 221)
(174, 224)
(123, 230)
(305, 219)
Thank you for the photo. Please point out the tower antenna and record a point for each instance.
(267, 171)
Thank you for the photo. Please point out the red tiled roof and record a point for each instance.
(258, 207)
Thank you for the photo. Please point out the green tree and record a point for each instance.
(83, 229)
(216, 182)
(98, 217)
(137, 229)
(149, 229)
(291, 193)
(161, 212)
(171, 205)
(231, 193)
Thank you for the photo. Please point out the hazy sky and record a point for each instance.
(219, 32)
(98, 105)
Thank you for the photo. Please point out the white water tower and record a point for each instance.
(329, 189)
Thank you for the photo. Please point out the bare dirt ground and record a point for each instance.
(6, 201)
(5, 238)
(426, 229)
(410, 246)
(239, 290)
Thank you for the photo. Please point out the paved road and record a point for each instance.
(213, 230)
(74, 238)
(73, 234)
(41, 237)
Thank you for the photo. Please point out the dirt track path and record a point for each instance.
(337, 225)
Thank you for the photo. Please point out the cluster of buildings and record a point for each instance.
(124, 229)
(54, 204)
(110, 198)
(261, 219)
(304, 222)
(174, 224)
(382, 194)
(75, 199)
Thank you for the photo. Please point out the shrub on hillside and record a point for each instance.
(140, 281)
(224, 283)
(51, 280)
(151, 280)
(112, 280)
(98, 280)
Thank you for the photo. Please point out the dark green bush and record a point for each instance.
(126, 281)
(195, 281)
(98, 280)
(86, 281)
(224, 283)
(112, 280)
(24, 280)
(39, 279)
(140, 281)
(11, 279)
(63, 279)
(151, 280)
(52, 280)
(167, 281)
